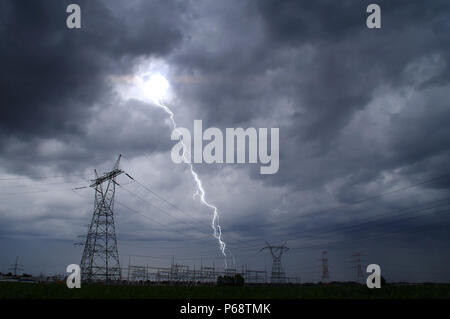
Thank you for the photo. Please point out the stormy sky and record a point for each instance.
(363, 117)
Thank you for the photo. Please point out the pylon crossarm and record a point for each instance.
(106, 177)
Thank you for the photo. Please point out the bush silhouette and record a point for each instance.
(236, 280)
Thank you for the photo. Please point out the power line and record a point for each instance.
(354, 203)
(36, 192)
(39, 177)
(377, 221)
(360, 201)
(415, 229)
(33, 187)
(179, 209)
(374, 220)
(164, 211)
(168, 202)
(165, 227)
(339, 243)
(351, 231)
(155, 221)
(353, 226)
(329, 230)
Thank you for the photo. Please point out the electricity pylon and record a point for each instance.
(16, 267)
(100, 260)
(358, 261)
(278, 275)
(325, 273)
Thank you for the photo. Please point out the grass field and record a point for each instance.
(60, 291)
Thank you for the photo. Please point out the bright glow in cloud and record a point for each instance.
(155, 86)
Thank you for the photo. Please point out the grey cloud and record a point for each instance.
(51, 75)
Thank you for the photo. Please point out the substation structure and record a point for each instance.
(178, 274)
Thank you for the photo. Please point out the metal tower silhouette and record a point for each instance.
(100, 260)
(278, 275)
(358, 260)
(325, 273)
(16, 267)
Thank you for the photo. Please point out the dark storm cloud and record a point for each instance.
(320, 57)
(51, 75)
(131, 128)
(353, 61)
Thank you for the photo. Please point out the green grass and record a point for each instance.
(60, 291)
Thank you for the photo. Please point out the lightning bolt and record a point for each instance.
(200, 191)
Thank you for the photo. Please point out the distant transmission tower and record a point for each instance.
(100, 261)
(358, 261)
(278, 275)
(325, 273)
(16, 266)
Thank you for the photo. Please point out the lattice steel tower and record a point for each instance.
(100, 261)
(278, 275)
(325, 273)
(16, 267)
(358, 261)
